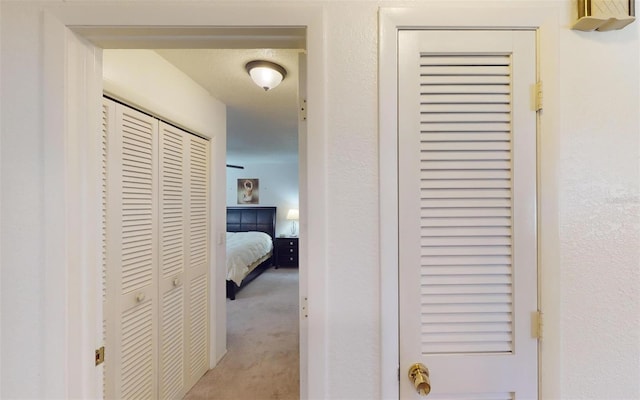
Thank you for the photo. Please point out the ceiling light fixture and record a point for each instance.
(266, 74)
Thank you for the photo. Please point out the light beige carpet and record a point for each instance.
(262, 360)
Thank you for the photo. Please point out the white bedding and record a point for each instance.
(244, 249)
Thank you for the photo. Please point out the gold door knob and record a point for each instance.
(419, 376)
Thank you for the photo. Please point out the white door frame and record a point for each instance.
(499, 15)
(70, 110)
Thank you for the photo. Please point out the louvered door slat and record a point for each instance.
(466, 132)
(464, 108)
(466, 230)
(172, 337)
(464, 203)
(199, 200)
(464, 319)
(469, 337)
(467, 98)
(137, 353)
(137, 201)
(453, 155)
(465, 241)
(458, 298)
(464, 80)
(477, 164)
(474, 251)
(470, 261)
(468, 193)
(471, 327)
(465, 89)
(454, 283)
(468, 173)
(467, 270)
(131, 255)
(466, 184)
(172, 201)
(199, 326)
(471, 66)
(434, 146)
(440, 123)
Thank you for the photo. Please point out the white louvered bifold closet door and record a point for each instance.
(172, 261)
(156, 303)
(198, 258)
(132, 256)
(184, 287)
(467, 195)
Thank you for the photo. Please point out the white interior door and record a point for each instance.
(197, 266)
(467, 212)
(184, 260)
(132, 256)
(172, 261)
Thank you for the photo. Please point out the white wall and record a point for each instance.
(600, 213)
(21, 207)
(146, 80)
(599, 200)
(354, 283)
(278, 187)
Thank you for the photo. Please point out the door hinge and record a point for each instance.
(303, 110)
(99, 356)
(537, 324)
(304, 308)
(538, 94)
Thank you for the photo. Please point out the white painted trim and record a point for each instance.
(56, 260)
(467, 15)
(388, 154)
(302, 201)
(217, 276)
(72, 212)
(60, 287)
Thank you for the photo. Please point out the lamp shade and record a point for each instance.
(266, 74)
(293, 214)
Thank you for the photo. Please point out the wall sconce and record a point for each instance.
(604, 15)
(266, 74)
(293, 216)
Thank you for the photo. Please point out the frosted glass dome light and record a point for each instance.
(266, 74)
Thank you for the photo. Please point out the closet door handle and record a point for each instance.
(140, 297)
(176, 282)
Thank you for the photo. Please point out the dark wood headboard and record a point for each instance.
(244, 219)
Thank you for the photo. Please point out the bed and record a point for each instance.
(242, 269)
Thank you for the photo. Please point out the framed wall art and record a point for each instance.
(248, 191)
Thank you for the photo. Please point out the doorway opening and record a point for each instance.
(217, 300)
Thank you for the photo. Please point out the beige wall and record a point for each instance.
(599, 205)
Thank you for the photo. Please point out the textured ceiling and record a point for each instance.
(261, 126)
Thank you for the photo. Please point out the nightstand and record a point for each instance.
(286, 252)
